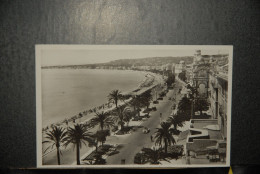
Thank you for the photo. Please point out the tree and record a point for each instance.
(139, 158)
(193, 90)
(99, 160)
(78, 136)
(115, 96)
(103, 119)
(193, 95)
(184, 108)
(201, 105)
(163, 135)
(122, 115)
(57, 136)
(176, 121)
(152, 155)
(127, 115)
(101, 136)
(170, 80)
(182, 76)
(140, 101)
(137, 104)
(146, 98)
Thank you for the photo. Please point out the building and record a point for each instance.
(206, 139)
(218, 96)
(173, 67)
(189, 74)
(180, 67)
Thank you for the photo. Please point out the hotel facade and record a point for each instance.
(207, 136)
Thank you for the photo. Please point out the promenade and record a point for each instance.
(130, 144)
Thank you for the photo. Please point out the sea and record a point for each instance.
(67, 92)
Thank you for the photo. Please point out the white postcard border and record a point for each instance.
(38, 51)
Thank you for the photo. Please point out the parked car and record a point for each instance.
(137, 119)
(146, 116)
(147, 110)
(115, 128)
(154, 108)
(146, 130)
(155, 102)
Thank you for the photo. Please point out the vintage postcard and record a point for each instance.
(133, 106)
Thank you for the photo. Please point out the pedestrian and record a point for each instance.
(151, 138)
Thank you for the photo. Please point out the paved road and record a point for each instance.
(136, 141)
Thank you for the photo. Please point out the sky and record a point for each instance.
(50, 57)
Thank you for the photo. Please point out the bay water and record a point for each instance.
(66, 92)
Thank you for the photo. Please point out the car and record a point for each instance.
(147, 110)
(137, 119)
(146, 130)
(155, 102)
(160, 98)
(169, 98)
(146, 116)
(154, 108)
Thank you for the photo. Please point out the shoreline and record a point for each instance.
(151, 79)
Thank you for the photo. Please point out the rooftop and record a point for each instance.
(204, 129)
(201, 123)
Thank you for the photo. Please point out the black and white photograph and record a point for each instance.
(134, 106)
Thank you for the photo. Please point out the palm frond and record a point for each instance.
(164, 135)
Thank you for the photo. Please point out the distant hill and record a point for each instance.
(149, 61)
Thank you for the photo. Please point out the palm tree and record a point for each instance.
(146, 98)
(103, 119)
(77, 136)
(153, 155)
(137, 104)
(123, 115)
(184, 104)
(176, 121)
(100, 136)
(115, 96)
(57, 136)
(164, 135)
(127, 115)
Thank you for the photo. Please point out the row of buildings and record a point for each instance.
(167, 67)
(207, 137)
